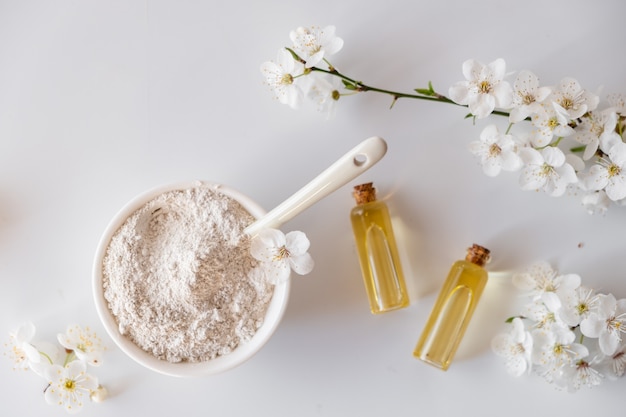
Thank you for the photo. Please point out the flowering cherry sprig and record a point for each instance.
(567, 333)
(567, 145)
(65, 368)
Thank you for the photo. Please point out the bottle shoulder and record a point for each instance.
(371, 207)
(468, 268)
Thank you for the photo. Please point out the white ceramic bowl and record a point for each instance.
(220, 364)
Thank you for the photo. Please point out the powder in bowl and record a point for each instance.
(179, 279)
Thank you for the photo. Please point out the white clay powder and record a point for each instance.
(179, 277)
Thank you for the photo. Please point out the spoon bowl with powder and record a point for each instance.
(175, 284)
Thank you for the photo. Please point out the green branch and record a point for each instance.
(351, 84)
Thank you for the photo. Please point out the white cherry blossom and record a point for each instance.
(483, 89)
(20, 348)
(496, 151)
(527, 96)
(547, 170)
(69, 386)
(540, 278)
(556, 348)
(577, 304)
(549, 124)
(281, 253)
(323, 92)
(597, 130)
(313, 44)
(609, 174)
(571, 100)
(281, 76)
(515, 347)
(543, 312)
(87, 346)
(581, 374)
(607, 323)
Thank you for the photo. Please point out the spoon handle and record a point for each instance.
(358, 160)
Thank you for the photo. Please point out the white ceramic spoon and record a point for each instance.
(358, 160)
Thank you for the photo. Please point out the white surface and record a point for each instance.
(102, 100)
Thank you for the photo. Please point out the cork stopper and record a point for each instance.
(478, 255)
(364, 193)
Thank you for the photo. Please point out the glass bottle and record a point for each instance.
(453, 309)
(377, 250)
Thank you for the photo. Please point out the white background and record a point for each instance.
(102, 100)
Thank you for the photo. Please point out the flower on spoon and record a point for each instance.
(280, 253)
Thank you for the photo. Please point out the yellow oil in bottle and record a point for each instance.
(378, 253)
(453, 309)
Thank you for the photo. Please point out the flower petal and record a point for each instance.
(482, 106)
(607, 305)
(608, 342)
(500, 344)
(302, 264)
(472, 69)
(25, 332)
(264, 244)
(498, 68)
(503, 94)
(516, 365)
(510, 161)
(31, 352)
(278, 271)
(459, 92)
(592, 326)
(596, 178)
(297, 243)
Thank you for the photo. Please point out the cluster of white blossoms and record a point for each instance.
(301, 71)
(568, 143)
(567, 333)
(64, 368)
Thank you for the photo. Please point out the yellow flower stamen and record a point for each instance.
(286, 79)
(281, 253)
(494, 150)
(547, 170)
(69, 385)
(613, 170)
(528, 99)
(484, 87)
(567, 103)
(552, 123)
